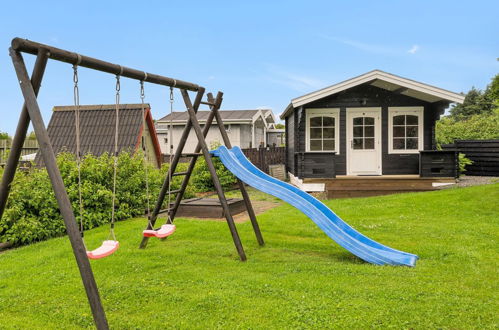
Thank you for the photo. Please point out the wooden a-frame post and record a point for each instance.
(33, 111)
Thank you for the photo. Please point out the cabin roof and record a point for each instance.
(383, 80)
(97, 127)
(228, 116)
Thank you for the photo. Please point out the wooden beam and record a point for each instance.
(61, 195)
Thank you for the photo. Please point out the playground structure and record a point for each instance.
(31, 113)
(233, 158)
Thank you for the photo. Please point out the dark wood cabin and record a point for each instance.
(375, 124)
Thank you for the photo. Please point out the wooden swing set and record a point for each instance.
(31, 113)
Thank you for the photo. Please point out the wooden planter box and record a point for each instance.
(438, 163)
(208, 207)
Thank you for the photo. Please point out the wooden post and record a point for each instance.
(214, 177)
(60, 191)
(20, 136)
(244, 192)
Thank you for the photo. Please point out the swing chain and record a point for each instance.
(76, 99)
(144, 150)
(115, 157)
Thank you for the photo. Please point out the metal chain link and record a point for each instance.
(115, 156)
(144, 150)
(76, 99)
(170, 160)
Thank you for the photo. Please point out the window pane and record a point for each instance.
(399, 120)
(316, 133)
(398, 144)
(412, 143)
(358, 121)
(411, 131)
(369, 131)
(315, 121)
(329, 145)
(398, 131)
(369, 143)
(327, 121)
(357, 143)
(369, 121)
(328, 133)
(315, 145)
(411, 120)
(358, 132)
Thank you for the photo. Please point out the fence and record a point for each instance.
(29, 147)
(263, 157)
(483, 153)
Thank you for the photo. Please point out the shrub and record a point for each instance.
(463, 161)
(32, 213)
(477, 127)
(201, 177)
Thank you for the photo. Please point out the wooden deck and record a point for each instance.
(364, 186)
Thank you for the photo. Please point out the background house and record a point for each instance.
(373, 124)
(246, 128)
(97, 128)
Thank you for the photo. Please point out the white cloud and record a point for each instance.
(367, 47)
(297, 82)
(413, 49)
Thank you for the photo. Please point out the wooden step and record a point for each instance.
(381, 187)
(365, 193)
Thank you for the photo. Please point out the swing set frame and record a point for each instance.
(31, 113)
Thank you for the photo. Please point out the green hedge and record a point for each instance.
(32, 213)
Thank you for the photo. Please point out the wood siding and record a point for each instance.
(290, 143)
(364, 96)
(483, 153)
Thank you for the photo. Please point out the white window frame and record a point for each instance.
(416, 111)
(329, 112)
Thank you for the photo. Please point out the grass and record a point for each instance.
(300, 279)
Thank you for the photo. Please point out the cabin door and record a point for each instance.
(363, 141)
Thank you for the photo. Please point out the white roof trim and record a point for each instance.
(370, 76)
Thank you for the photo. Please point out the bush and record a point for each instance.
(32, 213)
(201, 177)
(463, 161)
(477, 127)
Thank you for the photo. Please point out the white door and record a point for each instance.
(363, 141)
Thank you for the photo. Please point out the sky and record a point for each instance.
(261, 54)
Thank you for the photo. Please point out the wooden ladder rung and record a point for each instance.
(191, 154)
(180, 173)
(207, 103)
(175, 191)
(164, 211)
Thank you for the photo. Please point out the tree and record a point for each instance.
(477, 102)
(4, 136)
(279, 126)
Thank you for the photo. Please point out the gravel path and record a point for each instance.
(468, 181)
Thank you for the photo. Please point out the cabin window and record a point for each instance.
(405, 129)
(322, 130)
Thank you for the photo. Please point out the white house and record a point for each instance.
(245, 128)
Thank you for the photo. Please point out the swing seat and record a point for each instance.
(162, 232)
(107, 248)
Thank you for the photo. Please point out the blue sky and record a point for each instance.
(259, 53)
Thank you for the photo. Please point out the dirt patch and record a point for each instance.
(258, 206)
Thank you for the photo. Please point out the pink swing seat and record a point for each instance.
(162, 232)
(107, 248)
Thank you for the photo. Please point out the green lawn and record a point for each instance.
(300, 279)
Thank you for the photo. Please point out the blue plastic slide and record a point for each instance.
(338, 230)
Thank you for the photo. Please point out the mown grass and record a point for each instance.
(300, 279)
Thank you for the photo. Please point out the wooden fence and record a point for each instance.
(483, 153)
(29, 147)
(263, 157)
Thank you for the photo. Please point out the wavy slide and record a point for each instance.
(338, 230)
